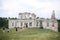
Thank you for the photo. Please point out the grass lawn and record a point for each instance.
(32, 34)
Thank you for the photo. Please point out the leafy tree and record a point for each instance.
(3, 22)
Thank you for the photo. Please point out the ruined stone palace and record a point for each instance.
(29, 20)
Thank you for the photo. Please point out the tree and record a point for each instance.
(3, 22)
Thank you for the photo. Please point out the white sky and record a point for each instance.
(42, 8)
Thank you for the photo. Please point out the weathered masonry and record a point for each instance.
(29, 20)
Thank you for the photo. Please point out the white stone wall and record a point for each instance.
(55, 28)
(17, 23)
(10, 23)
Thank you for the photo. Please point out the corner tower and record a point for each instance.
(53, 15)
(54, 23)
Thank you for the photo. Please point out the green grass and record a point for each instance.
(33, 34)
(3, 36)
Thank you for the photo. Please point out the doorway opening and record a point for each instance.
(41, 26)
(26, 25)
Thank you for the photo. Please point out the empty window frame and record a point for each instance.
(47, 24)
(30, 24)
(21, 23)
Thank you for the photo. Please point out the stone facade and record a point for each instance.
(29, 20)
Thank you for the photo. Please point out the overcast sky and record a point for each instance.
(42, 8)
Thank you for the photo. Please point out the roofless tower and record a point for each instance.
(53, 16)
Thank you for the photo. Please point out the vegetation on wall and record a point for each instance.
(3, 22)
(59, 25)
